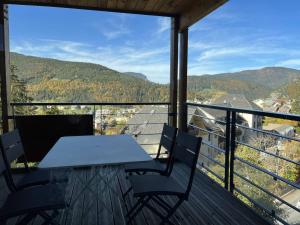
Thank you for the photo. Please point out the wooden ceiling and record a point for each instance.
(189, 11)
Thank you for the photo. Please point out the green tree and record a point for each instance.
(19, 93)
(290, 150)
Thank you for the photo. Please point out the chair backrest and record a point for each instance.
(5, 170)
(2, 164)
(167, 139)
(186, 150)
(12, 146)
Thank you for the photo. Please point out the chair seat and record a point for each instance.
(150, 166)
(37, 177)
(31, 200)
(155, 185)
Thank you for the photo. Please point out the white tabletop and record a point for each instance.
(79, 151)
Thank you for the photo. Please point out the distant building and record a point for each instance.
(207, 123)
(146, 126)
(240, 101)
(281, 129)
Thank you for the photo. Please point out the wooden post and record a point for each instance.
(4, 66)
(182, 117)
(173, 72)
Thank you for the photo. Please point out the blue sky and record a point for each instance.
(240, 35)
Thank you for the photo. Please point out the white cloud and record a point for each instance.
(290, 63)
(164, 24)
(114, 27)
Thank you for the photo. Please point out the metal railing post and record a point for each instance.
(232, 150)
(101, 130)
(227, 149)
(94, 118)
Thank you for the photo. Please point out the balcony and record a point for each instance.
(225, 189)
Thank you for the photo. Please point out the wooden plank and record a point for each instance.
(112, 4)
(122, 4)
(105, 211)
(76, 210)
(151, 5)
(90, 5)
(140, 6)
(129, 201)
(197, 10)
(222, 203)
(208, 202)
(158, 5)
(131, 4)
(103, 4)
(115, 197)
(167, 6)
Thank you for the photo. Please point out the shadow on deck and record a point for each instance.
(208, 203)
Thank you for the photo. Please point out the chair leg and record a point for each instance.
(26, 219)
(126, 193)
(49, 218)
(142, 203)
(171, 212)
(135, 206)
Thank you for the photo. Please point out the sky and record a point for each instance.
(239, 35)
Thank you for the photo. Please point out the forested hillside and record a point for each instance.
(272, 77)
(55, 80)
(250, 89)
(63, 81)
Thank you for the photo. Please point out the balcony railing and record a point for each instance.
(248, 160)
(144, 121)
(243, 157)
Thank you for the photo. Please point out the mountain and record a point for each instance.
(137, 75)
(252, 83)
(250, 89)
(63, 81)
(56, 80)
(272, 77)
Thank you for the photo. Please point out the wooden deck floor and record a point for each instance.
(208, 204)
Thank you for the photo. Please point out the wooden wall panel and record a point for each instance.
(151, 5)
(141, 5)
(112, 4)
(189, 11)
(197, 10)
(122, 4)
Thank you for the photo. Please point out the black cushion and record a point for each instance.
(33, 200)
(155, 184)
(150, 166)
(37, 177)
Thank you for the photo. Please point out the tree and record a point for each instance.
(290, 171)
(19, 93)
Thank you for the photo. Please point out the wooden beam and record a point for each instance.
(174, 71)
(89, 5)
(4, 67)
(197, 10)
(183, 68)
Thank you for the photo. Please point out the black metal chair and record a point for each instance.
(12, 150)
(167, 141)
(31, 202)
(154, 187)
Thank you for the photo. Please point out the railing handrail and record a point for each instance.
(85, 103)
(287, 116)
(230, 117)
